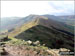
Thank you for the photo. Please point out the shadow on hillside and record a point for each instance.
(49, 36)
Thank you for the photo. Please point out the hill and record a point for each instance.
(69, 19)
(50, 32)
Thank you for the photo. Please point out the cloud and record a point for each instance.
(24, 8)
(64, 7)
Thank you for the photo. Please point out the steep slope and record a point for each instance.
(47, 31)
(51, 37)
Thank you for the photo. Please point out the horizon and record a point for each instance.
(35, 14)
(25, 8)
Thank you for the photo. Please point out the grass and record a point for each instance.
(15, 41)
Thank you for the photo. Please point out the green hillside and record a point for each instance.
(51, 37)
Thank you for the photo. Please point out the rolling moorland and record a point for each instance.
(49, 32)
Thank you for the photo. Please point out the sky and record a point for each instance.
(25, 8)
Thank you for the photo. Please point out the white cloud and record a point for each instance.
(24, 8)
(63, 6)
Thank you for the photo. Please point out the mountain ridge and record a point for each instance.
(41, 20)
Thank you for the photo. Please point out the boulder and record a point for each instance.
(36, 43)
(29, 42)
(64, 49)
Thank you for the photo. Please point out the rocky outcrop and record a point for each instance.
(3, 38)
(25, 51)
(29, 51)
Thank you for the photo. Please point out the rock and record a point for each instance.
(3, 38)
(64, 49)
(1, 50)
(36, 43)
(43, 44)
(29, 42)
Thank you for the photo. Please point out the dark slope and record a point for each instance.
(49, 36)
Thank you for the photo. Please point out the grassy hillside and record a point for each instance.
(51, 37)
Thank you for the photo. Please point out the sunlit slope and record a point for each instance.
(22, 28)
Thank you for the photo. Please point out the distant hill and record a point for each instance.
(51, 32)
(70, 19)
(9, 23)
(56, 18)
